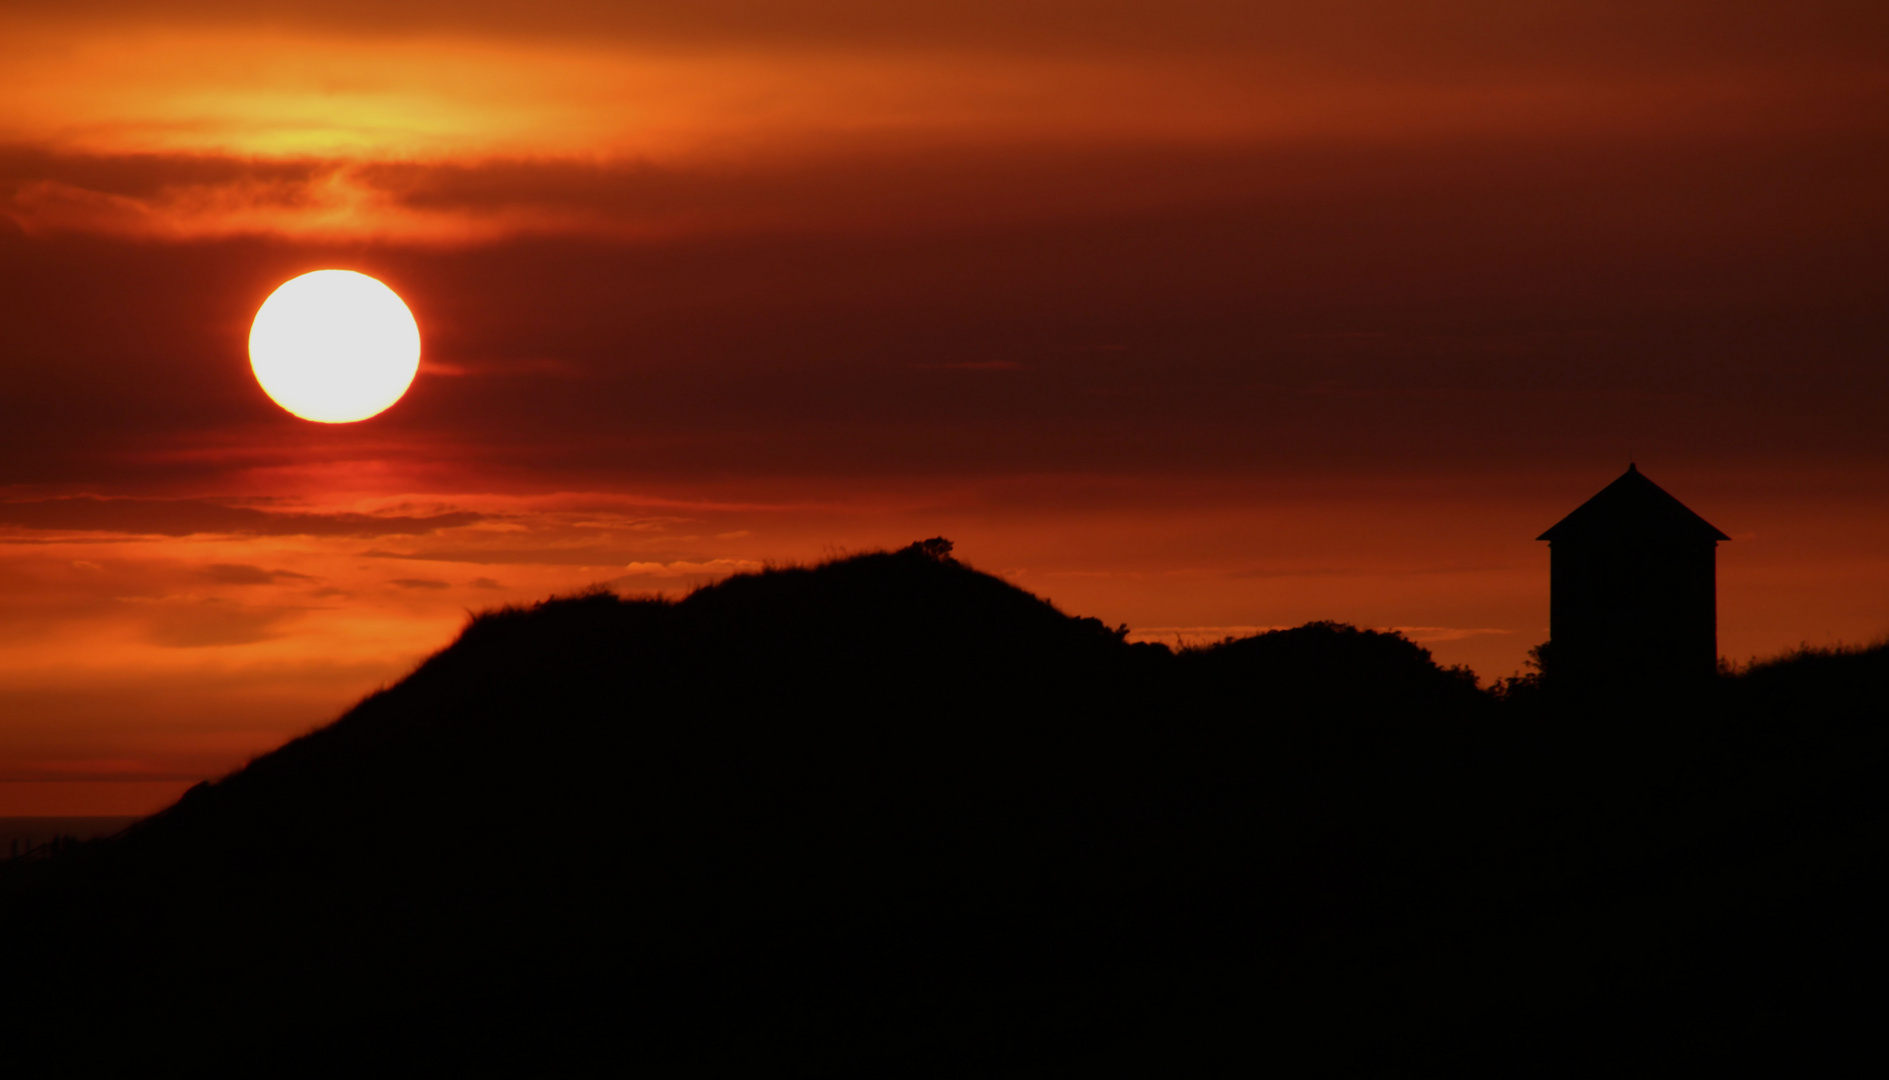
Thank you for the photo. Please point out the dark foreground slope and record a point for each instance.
(893, 816)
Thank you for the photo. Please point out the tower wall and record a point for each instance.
(1633, 612)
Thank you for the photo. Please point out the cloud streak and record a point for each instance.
(187, 517)
(333, 203)
(204, 623)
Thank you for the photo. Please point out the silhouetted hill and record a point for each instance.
(890, 815)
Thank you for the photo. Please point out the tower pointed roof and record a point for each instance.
(1634, 507)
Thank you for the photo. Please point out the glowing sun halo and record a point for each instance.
(334, 346)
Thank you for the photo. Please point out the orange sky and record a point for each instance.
(1200, 317)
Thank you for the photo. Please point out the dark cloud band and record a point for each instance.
(186, 517)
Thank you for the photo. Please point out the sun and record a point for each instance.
(334, 346)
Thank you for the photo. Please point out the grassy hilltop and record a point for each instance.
(893, 816)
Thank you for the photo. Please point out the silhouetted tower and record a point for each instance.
(1632, 590)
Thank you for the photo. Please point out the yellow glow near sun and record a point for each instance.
(334, 346)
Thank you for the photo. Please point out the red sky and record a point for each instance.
(1195, 316)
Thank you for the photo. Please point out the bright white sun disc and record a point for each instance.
(334, 346)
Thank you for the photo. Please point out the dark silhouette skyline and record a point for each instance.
(891, 815)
